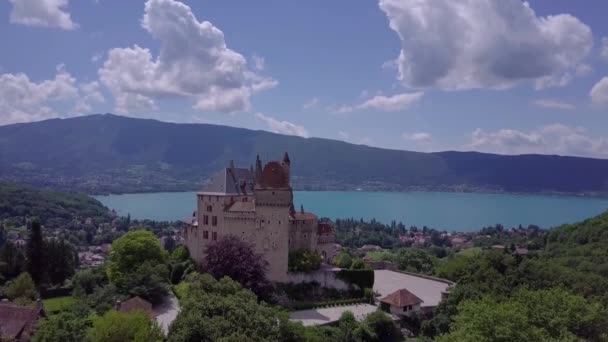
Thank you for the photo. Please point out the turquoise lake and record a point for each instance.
(440, 210)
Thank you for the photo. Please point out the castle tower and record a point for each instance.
(286, 164)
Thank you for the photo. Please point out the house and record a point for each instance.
(136, 304)
(401, 303)
(17, 323)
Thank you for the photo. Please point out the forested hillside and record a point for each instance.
(109, 153)
(54, 209)
(559, 293)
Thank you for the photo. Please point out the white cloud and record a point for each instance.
(418, 137)
(96, 57)
(343, 135)
(42, 13)
(383, 103)
(89, 92)
(258, 62)
(599, 92)
(23, 100)
(312, 103)
(193, 63)
(469, 44)
(282, 127)
(604, 48)
(550, 139)
(553, 104)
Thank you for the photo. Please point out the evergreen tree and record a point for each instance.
(35, 253)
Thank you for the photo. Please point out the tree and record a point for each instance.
(149, 282)
(35, 253)
(131, 251)
(382, 326)
(60, 260)
(222, 310)
(304, 260)
(543, 315)
(65, 327)
(22, 289)
(180, 254)
(12, 260)
(343, 260)
(235, 258)
(116, 326)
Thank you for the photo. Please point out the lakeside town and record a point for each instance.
(321, 274)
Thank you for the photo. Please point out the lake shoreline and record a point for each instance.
(449, 211)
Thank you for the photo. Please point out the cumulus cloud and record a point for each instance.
(89, 93)
(469, 44)
(23, 100)
(282, 127)
(604, 48)
(418, 137)
(599, 92)
(550, 139)
(194, 62)
(553, 104)
(383, 103)
(42, 13)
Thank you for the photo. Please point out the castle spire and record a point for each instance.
(258, 169)
(286, 159)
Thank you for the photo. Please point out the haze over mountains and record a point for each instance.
(109, 153)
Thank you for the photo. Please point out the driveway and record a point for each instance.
(166, 312)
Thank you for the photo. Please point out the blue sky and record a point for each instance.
(500, 76)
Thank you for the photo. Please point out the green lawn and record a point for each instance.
(473, 251)
(58, 304)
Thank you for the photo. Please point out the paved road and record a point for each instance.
(166, 312)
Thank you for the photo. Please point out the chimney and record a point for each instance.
(258, 169)
(302, 208)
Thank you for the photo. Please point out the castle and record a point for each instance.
(257, 206)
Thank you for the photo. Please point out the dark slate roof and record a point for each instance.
(230, 181)
(17, 322)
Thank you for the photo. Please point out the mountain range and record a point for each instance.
(106, 153)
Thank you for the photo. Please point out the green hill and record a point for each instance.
(109, 153)
(54, 209)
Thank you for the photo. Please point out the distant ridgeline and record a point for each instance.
(109, 153)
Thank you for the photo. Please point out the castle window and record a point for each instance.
(214, 235)
(205, 234)
(214, 221)
(217, 198)
(206, 220)
(209, 208)
(273, 192)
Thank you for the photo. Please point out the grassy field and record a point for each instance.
(473, 251)
(58, 304)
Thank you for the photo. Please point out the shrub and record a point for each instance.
(304, 260)
(361, 278)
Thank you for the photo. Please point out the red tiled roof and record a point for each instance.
(324, 228)
(401, 298)
(303, 216)
(274, 176)
(137, 304)
(17, 322)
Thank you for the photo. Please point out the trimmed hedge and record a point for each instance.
(340, 302)
(364, 279)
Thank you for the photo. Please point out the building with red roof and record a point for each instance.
(401, 302)
(256, 204)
